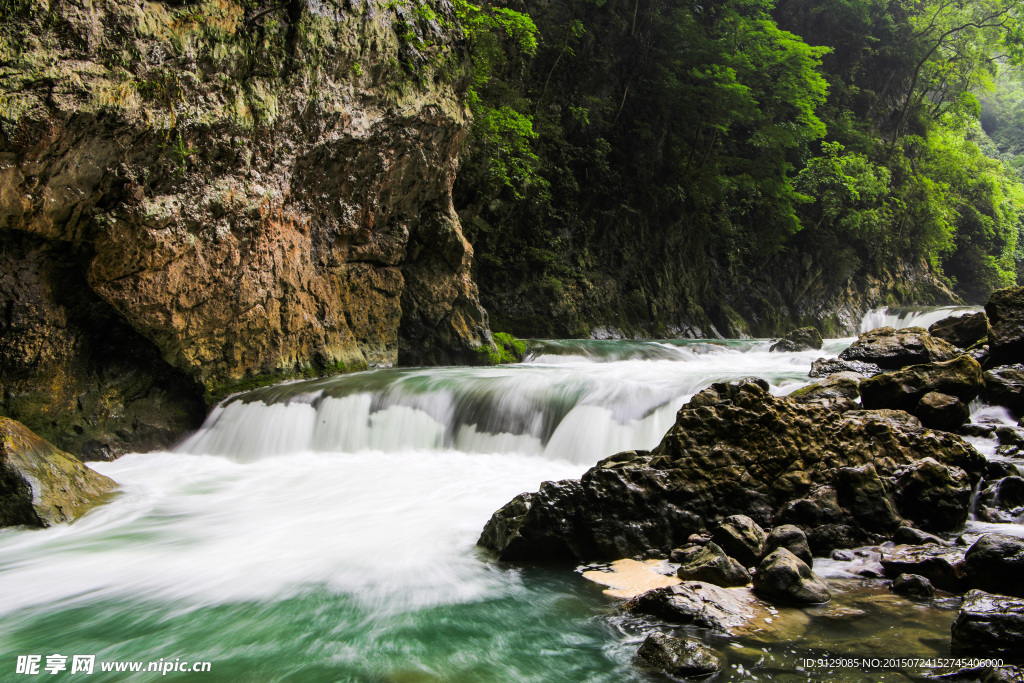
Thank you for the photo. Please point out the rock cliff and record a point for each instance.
(201, 197)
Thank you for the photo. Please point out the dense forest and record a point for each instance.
(665, 165)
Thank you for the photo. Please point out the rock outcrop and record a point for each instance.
(962, 331)
(1005, 311)
(261, 192)
(950, 386)
(41, 485)
(893, 349)
(734, 449)
(803, 339)
(989, 625)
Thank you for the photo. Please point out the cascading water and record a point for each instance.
(326, 530)
(911, 316)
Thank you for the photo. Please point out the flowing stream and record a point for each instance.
(325, 530)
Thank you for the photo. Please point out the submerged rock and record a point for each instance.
(679, 657)
(784, 576)
(995, 563)
(913, 586)
(963, 331)
(41, 485)
(989, 625)
(709, 563)
(1005, 311)
(734, 449)
(803, 339)
(893, 349)
(823, 367)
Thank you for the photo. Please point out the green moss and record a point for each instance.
(217, 391)
(510, 349)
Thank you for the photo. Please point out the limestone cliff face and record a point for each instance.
(198, 197)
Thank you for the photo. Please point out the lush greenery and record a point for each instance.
(666, 165)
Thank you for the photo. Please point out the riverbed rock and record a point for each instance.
(942, 411)
(962, 331)
(989, 626)
(1004, 386)
(676, 657)
(283, 208)
(1002, 500)
(1005, 311)
(903, 390)
(995, 563)
(862, 493)
(785, 577)
(840, 390)
(823, 367)
(803, 339)
(709, 563)
(730, 610)
(935, 496)
(41, 485)
(908, 535)
(913, 586)
(793, 539)
(943, 566)
(740, 537)
(892, 349)
(734, 449)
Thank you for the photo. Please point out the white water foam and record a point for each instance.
(900, 317)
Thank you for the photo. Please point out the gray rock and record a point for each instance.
(803, 339)
(740, 537)
(913, 586)
(709, 563)
(989, 625)
(677, 657)
(963, 331)
(943, 566)
(1005, 311)
(784, 576)
(825, 367)
(995, 563)
(907, 535)
(705, 605)
(1004, 386)
(893, 349)
(793, 539)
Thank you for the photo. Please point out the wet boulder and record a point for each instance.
(1002, 500)
(823, 367)
(943, 566)
(865, 496)
(803, 339)
(676, 657)
(942, 411)
(41, 485)
(1005, 311)
(963, 331)
(936, 497)
(730, 610)
(839, 391)
(913, 586)
(989, 625)
(793, 539)
(903, 390)
(740, 537)
(995, 563)
(893, 349)
(734, 450)
(709, 563)
(1004, 386)
(785, 577)
(908, 535)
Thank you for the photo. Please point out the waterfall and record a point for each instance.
(911, 316)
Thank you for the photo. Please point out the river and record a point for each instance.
(325, 530)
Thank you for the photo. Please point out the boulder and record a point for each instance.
(936, 497)
(676, 657)
(839, 391)
(989, 625)
(908, 535)
(893, 349)
(943, 566)
(963, 331)
(913, 586)
(804, 339)
(730, 610)
(709, 563)
(823, 367)
(863, 494)
(784, 576)
(1004, 386)
(734, 450)
(1005, 311)
(740, 537)
(1002, 500)
(41, 485)
(995, 563)
(902, 390)
(793, 539)
(942, 411)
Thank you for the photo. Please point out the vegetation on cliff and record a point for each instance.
(749, 165)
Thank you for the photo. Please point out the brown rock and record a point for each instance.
(893, 349)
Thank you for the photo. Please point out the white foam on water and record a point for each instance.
(921, 316)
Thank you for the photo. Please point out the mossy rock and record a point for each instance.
(41, 485)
